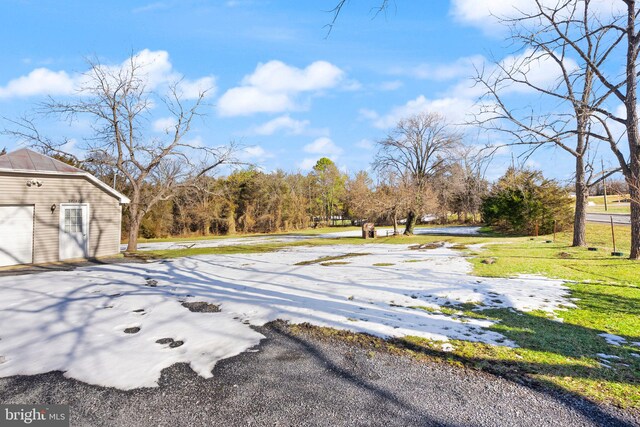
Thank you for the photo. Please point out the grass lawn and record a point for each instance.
(612, 208)
(599, 200)
(613, 204)
(561, 355)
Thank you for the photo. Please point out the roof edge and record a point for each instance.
(121, 197)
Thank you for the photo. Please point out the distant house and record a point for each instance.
(51, 211)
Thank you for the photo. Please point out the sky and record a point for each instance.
(279, 83)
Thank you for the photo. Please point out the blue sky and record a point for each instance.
(280, 85)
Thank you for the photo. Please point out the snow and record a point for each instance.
(607, 356)
(613, 339)
(452, 231)
(447, 347)
(74, 321)
(291, 238)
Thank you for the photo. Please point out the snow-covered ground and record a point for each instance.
(74, 321)
(290, 238)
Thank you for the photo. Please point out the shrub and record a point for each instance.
(523, 202)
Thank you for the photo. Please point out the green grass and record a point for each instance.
(611, 198)
(613, 208)
(329, 264)
(560, 355)
(613, 204)
(563, 354)
(324, 260)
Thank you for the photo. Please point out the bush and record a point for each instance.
(524, 202)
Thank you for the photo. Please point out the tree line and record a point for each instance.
(440, 181)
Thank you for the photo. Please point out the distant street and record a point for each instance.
(618, 219)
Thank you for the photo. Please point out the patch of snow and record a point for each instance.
(447, 347)
(635, 343)
(635, 355)
(451, 231)
(613, 339)
(74, 321)
(607, 356)
(292, 238)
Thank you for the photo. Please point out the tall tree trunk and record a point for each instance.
(134, 222)
(582, 196)
(411, 223)
(395, 222)
(631, 105)
(634, 193)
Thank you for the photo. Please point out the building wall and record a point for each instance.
(104, 211)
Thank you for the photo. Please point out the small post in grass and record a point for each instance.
(555, 223)
(604, 186)
(613, 237)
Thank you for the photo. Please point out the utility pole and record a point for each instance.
(604, 186)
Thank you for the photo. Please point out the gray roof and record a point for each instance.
(25, 161)
(28, 160)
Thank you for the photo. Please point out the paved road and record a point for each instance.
(618, 219)
(304, 381)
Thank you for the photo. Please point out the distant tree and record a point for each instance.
(524, 202)
(416, 150)
(359, 197)
(393, 197)
(330, 183)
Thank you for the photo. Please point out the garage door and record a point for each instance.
(16, 235)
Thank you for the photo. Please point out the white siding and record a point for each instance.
(16, 235)
(104, 221)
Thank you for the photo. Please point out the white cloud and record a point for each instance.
(307, 163)
(164, 125)
(276, 76)
(247, 100)
(254, 153)
(282, 123)
(324, 146)
(274, 86)
(390, 85)
(38, 82)
(156, 70)
(191, 89)
(452, 109)
(486, 14)
(365, 144)
(151, 7)
(538, 69)
(462, 67)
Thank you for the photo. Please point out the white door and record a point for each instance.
(74, 231)
(16, 235)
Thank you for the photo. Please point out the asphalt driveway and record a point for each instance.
(298, 379)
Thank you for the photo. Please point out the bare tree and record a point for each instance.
(119, 104)
(614, 35)
(547, 35)
(416, 149)
(393, 197)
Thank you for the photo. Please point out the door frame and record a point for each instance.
(86, 220)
